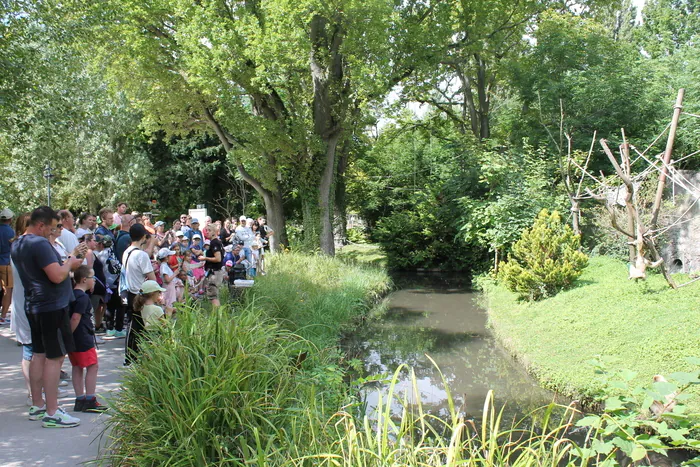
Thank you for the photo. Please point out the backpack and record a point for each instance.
(113, 265)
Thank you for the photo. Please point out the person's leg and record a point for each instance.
(6, 284)
(79, 383)
(27, 355)
(36, 374)
(91, 380)
(99, 314)
(52, 371)
(134, 332)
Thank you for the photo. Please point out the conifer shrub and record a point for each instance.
(545, 260)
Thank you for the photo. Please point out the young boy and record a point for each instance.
(85, 355)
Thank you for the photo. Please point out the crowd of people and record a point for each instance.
(68, 285)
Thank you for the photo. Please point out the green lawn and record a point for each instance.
(368, 254)
(649, 328)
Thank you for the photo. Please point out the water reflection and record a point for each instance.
(444, 321)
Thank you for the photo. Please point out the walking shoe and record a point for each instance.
(62, 392)
(62, 383)
(110, 332)
(92, 406)
(4, 321)
(99, 340)
(36, 413)
(79, 404)
(60, 420)
(120, 334)
(65, 376)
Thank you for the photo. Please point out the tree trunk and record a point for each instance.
(325, 201)
(276, 220)
(340, 202)
(272, 198)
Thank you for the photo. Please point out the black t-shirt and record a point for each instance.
(224, 234)
(214, 246)
(83, 334)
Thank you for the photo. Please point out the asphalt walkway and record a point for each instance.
(26, 443)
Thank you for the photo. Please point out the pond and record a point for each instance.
(440, 317)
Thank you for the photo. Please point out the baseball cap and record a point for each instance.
(207, 242)
(196, 236)
(159, 223)
(6, 214)
(150, 287)
(137, 231)
(242, 218)
(165, 252)
(229, 263)
(179, 233)
(195, 221)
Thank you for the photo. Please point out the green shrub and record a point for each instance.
(545, 260)
(357, 235)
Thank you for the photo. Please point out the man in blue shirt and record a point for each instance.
(194, 231)
(107, 217)
(48, 293)
(7, 235)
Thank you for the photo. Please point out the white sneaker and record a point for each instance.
(62, 383)
(60, 420)
(99, 340)
(62, 392)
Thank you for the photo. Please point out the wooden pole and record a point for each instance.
(667, 159)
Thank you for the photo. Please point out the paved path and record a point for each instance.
(26, 443)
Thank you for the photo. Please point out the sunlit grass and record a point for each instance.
(646, 326)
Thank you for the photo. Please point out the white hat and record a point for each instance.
(196, 236)
(242, 218)
(165, 252)
(179, 233)
(6, 214)
(228, 248)
(150, 287)
(207, 242)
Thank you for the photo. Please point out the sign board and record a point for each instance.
(198, 214)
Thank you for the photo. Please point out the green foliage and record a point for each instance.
(357, 235)
(638, 421)
(545, 260)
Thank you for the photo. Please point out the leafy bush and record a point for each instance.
(357, 235)
(545, 260)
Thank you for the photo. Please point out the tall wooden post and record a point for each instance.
(667, 159)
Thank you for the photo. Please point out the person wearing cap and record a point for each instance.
(7, 235)
(196, 245)
(147, 304)
(194, 230)
(244, 232)
(213, 265)
(107, 223)
(168, 275)
(160, 233)
(136, 269)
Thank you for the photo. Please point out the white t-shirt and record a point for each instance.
(80, 232)
(19, 323)
(165, 269)
(69, 240)
(62, 252)
(139, 265)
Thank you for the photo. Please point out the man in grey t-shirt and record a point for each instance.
(48, 294)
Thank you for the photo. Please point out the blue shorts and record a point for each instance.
(27, 352)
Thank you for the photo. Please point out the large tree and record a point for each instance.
(277, 82)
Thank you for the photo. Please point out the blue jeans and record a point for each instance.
(248, 254)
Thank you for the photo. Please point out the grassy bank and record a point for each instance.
(647, 327)
(229, 386)
(364, 254)
(315, 296)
